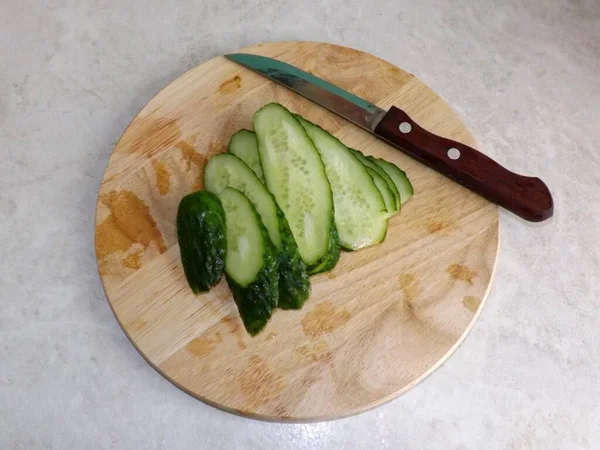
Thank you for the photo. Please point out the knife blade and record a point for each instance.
(527, 197)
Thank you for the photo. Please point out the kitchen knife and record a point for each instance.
(527, 197)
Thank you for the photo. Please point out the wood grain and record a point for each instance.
(380, 322)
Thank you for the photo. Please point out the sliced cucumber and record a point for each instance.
(227, 170)
(399, 178)
(295, 175)
(389, 181)
(251, 261)
(359, 210)
(386, 192)
(367, 161)
(243, 145)
(246, 247)
(333, 254)
(294, 282)
(201, 236)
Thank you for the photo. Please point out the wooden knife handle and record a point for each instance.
(527, 197)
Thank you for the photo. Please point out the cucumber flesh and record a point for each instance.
(243, 145)
(251, 261)
(399, 178)
(245, 243)
(386, 192)
(201, 236)
(359, 210)
(295, 175)
(369, 163)
(227, 170)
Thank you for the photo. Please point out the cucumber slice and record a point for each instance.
(399, 178)
(294, 282)
(251, 261)
(201, 236)
(333, 255)
(227, 170)
(368, 162)
(386, 192)
(295, 175)
(359, 210)
(243, 145)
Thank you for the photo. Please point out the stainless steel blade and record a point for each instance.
(341, 102)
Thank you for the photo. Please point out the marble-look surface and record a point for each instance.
(525, 77)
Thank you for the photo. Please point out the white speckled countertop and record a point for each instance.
(524, 76)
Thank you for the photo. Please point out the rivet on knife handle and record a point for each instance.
(527, 197)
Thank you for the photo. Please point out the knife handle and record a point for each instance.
(527, 197)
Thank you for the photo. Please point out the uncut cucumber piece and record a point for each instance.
(386, 192)
(227, 170)
(369, 163)
(243, 145)
(399, 178)
(360, 213)
(251, 261)
(295, 175)
(201, 237)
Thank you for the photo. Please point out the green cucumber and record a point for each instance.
(201, 236)
(368, 162)
(227, 170)
(386, 192)
(399, 178)
(251, 261)
(243, 145)
(359, 210)
(295, 175)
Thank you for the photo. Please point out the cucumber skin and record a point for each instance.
(294, 282)
(202, 241)
(257, 301)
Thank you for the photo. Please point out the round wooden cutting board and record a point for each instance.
(380, 322)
